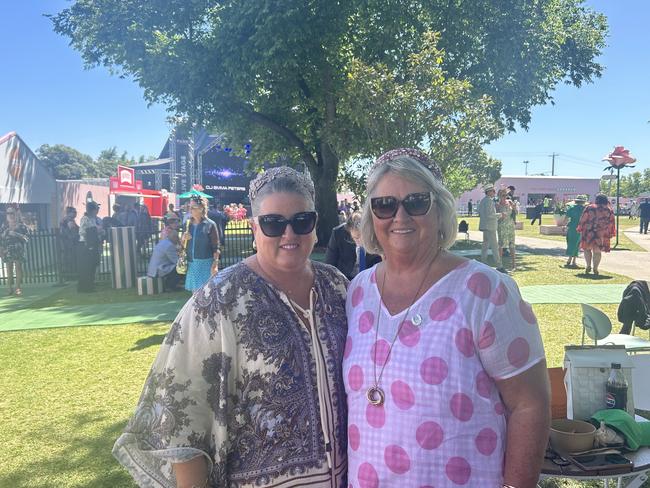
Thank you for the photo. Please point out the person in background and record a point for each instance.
(573, 213)
(634, 210)
(596, 228)
(69, 232)
(165, 255)
(444, 365)
(547, 206)
(170, 208)
(470, 205)
(506, 225)
(242, 213)
(644, 216)
(13, 239)
(143, 227)
(537, 213)
(488, 225)
(247, 390)
(201, 243)
(91, 236)
(131, 215)
(344, 249)
(219, 218)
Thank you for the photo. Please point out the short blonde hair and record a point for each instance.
(410, 169)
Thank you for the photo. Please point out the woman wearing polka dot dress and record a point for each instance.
(444, 365)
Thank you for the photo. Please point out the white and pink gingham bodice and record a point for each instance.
(443, 423)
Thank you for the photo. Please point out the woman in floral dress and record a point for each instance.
(13, 237)
(506, 225)
(596, 227)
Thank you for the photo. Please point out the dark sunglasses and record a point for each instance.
(415, 204)
(274, 225)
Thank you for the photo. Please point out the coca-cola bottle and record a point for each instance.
(616, 388)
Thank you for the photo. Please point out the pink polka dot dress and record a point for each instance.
(442, 423)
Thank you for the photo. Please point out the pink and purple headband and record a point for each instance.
(412, 153)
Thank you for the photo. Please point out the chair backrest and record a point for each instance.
(595, 323)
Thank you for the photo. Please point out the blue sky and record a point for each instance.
(48, 98)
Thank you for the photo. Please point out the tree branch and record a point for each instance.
(269, 123)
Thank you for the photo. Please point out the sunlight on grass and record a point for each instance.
(68, 393)
(66, 398)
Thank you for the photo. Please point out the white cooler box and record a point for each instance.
(586, 371)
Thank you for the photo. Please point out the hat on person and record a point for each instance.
(169, 216)
(11, 209)
(580, 198)
(92, 205)
(488, 187)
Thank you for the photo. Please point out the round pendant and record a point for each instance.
(417, 319)
(375, 396)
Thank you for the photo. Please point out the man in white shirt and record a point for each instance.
(488, 225)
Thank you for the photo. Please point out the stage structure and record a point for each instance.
(199, 158)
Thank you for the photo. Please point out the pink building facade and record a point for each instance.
(530, 189)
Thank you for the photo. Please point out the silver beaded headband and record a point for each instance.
(416, 154)
(281, 172)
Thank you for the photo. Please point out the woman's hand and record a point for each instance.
(186, 237)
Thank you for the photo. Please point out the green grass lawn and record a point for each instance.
(624, 243)
(67, 393)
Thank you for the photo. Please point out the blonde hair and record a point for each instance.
(408, 168)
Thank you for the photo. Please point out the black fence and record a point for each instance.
(48, 259)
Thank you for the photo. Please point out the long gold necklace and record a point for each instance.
(375, 394)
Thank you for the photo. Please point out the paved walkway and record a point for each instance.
(634, 264)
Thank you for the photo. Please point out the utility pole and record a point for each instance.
(553, 163)
(526, 167)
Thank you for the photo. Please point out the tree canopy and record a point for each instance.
(632, 185)
(66, 163)
(330, 81)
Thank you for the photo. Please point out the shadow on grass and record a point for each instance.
(84, 459)
(593, 277)
(152, 340)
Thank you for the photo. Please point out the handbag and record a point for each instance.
(181, 264)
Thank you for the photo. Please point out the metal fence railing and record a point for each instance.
(49, 260)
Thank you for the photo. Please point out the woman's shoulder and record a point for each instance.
(223, 292)
(329, 274)
(365, 277)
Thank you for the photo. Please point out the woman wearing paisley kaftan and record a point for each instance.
(247, 390)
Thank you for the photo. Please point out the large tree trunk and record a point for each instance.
(324, 176)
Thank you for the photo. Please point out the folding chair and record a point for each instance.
(598, 327)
